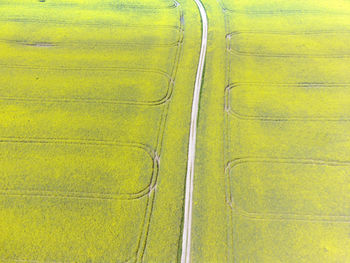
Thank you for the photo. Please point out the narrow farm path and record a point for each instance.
(186, 238)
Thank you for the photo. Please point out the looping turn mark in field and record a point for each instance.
(284, 44)
(311, 164)
(166, 97)
(85, 195)
(162, 5)
(336, 95)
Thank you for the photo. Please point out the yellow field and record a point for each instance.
(274, 186)
(95, 104)
(95, 112)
